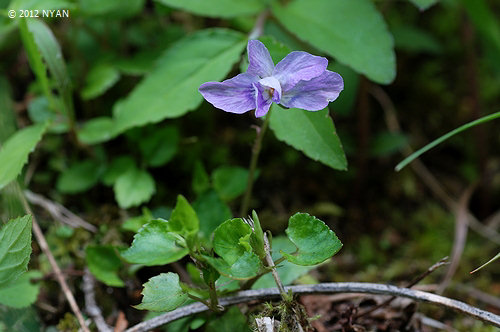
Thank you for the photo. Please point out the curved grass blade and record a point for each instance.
(443, 138)
(488, 262)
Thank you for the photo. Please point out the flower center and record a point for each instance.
(270, 89)
(270, 92)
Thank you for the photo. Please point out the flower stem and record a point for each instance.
(253, 164)
(259, 25)
(274, 272)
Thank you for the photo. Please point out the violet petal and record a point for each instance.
(260, 61)
(262, 100)
(235, 95)
(315, 94)
(298, 66)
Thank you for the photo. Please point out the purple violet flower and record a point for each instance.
(300, 80)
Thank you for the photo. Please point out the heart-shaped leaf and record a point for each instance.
(162, 293)
(133, 188)
(312, 237)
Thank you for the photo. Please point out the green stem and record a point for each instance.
(214, 300)
(199, 299)
(253, 164)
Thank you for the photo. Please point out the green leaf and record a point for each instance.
(485, 21)
(79, 177)
(211, 211)
(171, 89)
(35, 59)
(443, 138)
(160, 146)
(139, 64)
(7, 113)
(310, 132)
(277, 49)
(99, 80)
(118, 167)
(110, 8)
(183, 219)
(15, 248)
(287, 271)
(179, 325)
(232, 244)
(257, 237)
(104, 263)
(19, 320)
(230, 181)
(412, 39)
(312, 237)
(134, 224)
(22, 292)
(353, 32)
(229, 239)
(217, 8)
(424, 4)
(346, 102)
(51, 52)
(97, 130)
(154, 245)
(201, 181)
(232, 320)
(39, 111)
(245, 267)
(133, 188)
(41, 4)
(162, 293)
(14, 153)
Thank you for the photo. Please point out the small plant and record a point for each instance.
(240, 251)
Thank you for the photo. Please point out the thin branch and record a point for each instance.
(42, 242)
(59, 212)
(488, 299)
(327, 288)
(461, 229)
(434, 323)
(90, 303)
(415, 281)
(493, 221)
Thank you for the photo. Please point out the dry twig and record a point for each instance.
(327, 288)
(59, 212)
(410, 285)
(461, 228)
(90, 303)
(42, 242)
